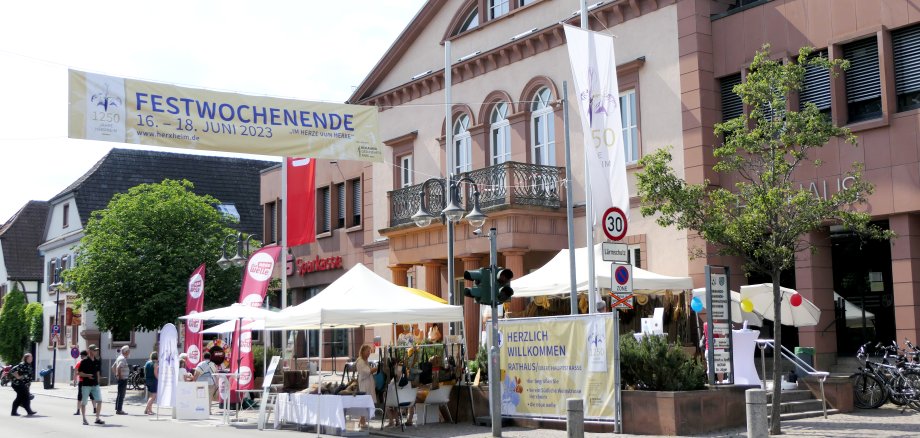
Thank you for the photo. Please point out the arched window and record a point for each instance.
(463, 145)
(543, 134)
(500, 134)
(497, 8)
(470, 22)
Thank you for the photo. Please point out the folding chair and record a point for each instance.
(399, 399)
(436, 397)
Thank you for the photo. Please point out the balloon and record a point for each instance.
(795, 300)
(747, 305)
(696, 304)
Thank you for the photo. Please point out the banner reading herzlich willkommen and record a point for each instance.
(194, 303)
(258, 274)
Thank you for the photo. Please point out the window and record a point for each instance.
(340, 205)
(324, 209)
(229, 210)
(500, 134)
(52, 271)
(463, 145)
(121, 336)
(271, 223)
(66, 218)
(470, 22)
(906, 47)
(525, 2)
(543, 135)
(635, 255)
(816, 86)
(629, 118)
(731, 102)
(864, 88)
(356, 200)
(405, 171)
(497, 8)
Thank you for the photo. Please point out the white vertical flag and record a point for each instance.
(168, 361)
(595, 74)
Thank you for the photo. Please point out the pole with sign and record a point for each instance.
(719, 334)
(621, 286)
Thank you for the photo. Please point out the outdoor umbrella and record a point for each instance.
(739, 316)
(761, 296)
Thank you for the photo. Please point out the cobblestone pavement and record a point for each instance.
(887, 421)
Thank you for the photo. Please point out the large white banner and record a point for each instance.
(168, 365)
(595, 74)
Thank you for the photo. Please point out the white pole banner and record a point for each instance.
(168, 365)
(595, 75)
(122, 110)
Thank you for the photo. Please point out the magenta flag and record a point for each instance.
(194, 303)
(258, 274)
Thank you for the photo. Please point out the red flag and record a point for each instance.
(258, 274)
(301, 201)
(194, 303)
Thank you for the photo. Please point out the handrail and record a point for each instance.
(797, 361)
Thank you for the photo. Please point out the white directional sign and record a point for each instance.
(615, 224)
(720, 322)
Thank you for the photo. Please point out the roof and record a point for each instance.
(20, 237)
(230, 180)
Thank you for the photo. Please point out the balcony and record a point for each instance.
(507, 185)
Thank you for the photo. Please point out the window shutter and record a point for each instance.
(862, 79)
(327, 208)
(816, 86)
(356, 197)
(340, 207)
(906, 48)
(731, 102)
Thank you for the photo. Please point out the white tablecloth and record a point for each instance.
(743, 342)
(302, 408)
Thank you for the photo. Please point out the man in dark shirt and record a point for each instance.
(90, 370)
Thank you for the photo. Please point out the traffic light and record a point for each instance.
(482, 285)
(503, 291)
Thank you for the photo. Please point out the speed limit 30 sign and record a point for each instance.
(615, 223)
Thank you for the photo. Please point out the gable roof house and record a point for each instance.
(233, 181)
(20, 262)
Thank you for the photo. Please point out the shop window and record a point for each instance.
(356, 200)
(863, 86)
(405, 171)
(906, 47)
(463, 145)
(497, 8)
(543, 135)
(340, 205)
(325, 209)
(731, 102)
(816, 86)
(500, 134)
(630, 122)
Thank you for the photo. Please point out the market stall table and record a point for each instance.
(304, 409)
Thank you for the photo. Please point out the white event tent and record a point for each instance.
(360, 297)
(554, 279)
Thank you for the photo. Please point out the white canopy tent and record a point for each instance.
(553, 278)
(360, 297)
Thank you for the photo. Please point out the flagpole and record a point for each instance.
(284, 239)
(589, 201)
(570, 200)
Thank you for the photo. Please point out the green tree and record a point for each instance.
(134, 262)
(763, 215)
(33, 317)
(14, 330)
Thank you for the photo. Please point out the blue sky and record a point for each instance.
(308, 49)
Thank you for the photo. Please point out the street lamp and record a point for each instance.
(451, 214)
(241, 255)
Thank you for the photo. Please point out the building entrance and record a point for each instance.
(864, 304)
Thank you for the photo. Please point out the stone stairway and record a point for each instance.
(796, 404)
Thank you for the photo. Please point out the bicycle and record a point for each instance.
(136, 379)
(878, 382)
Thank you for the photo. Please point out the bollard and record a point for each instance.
(756, 400)
(575, 418)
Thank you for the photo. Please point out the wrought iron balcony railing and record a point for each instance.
(507, 184)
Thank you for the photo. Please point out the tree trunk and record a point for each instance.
(777, 355)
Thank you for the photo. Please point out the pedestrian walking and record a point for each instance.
(78, 382)
(120, 371)
(22, 378)
(151, 375)
(90, 372)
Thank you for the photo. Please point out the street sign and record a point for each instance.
(615, 223)
(615, 252)
(621, 286)
(55, 329)
(623, 301)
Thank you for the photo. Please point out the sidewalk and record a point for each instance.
(887, 421)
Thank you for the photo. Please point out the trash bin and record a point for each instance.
(806, 355)
(46, 377)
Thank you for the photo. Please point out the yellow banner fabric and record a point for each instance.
(122, 110)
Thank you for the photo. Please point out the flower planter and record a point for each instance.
(683, 412)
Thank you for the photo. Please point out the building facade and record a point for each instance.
(20, 262)
(233, 181)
